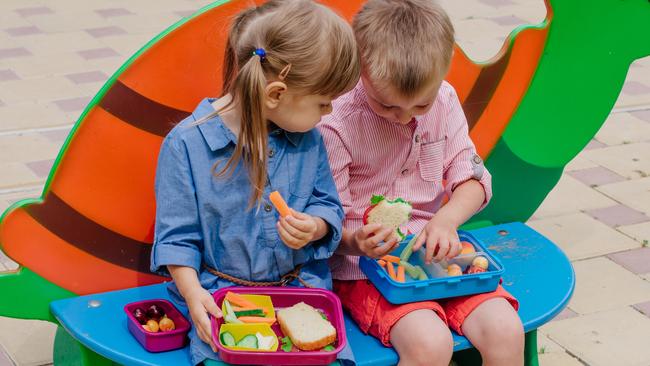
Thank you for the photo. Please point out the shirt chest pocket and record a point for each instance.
(431, 162)
(302, 174)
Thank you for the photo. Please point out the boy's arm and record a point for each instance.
(462, 165)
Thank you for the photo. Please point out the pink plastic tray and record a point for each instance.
(282, 297)
(159, 341)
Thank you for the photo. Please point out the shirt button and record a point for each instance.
(417, 138)
(271, 153)
(405, 171)
(476, 159)
(267, 207)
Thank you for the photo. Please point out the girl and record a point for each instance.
(215, 226)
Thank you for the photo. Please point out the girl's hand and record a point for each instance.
(300, 229)
(200, 304)
(366, 240)
(441, 239)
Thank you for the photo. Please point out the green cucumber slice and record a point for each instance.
(227, 339)
(249, 341)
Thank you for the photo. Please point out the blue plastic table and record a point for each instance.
(537, 273)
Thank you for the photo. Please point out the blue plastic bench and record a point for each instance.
(538, 273)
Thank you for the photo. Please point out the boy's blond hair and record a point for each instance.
(404, 44)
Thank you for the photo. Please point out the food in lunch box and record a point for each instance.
(252, 341)
(155, 312)
(479, 264)
(306, 327)
(165, 324)
(154, 319)
(467, 248)
(140, 316)
(390, 213)
(454, 270)
(239, 309)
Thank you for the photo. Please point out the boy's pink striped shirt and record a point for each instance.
(370, 155)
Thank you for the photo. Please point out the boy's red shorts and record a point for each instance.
(376, 316)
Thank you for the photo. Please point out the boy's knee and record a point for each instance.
(435, 349)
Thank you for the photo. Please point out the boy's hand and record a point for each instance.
(200, 304)
(300, 229)
(441, 239)
(366, 240)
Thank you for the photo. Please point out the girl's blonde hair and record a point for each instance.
(307, 46)
(404, 43)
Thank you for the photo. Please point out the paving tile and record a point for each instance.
(73, 104)
(633, 193)
(98, 53)
(565, 314)
(508, 20)
(52, 45)
(618, 215)
(614, 337)
(5, 360)
(640, 232)
(70, 19)
(6, 75)
(643, 115)
(113, 12)
(6, 53)
(580, 236)
(570, 196)
(31, 115)
(39, 90)
(105, 31)
(41, 168)
(497, 3)
(56, 136)
(87, 77)
(184, 13)
(594, 144)
(630, 161)
(552, 354)
(636, 260)
(644, 308)
(37, 10)
(623, 128)
(29, 342)
(5, 261)
(26, 148)
(635, 88)
(23, 31)
(42, 66)
(602, 285)
(596, 176)
(16, 175)
(579, 163)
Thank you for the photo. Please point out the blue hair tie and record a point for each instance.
(260, 52)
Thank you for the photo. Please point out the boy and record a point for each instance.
(399, 133)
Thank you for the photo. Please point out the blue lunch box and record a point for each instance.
(439, 285)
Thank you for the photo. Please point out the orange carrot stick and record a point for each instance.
(256, 319)
(391, 258)
(401, 277)
(391, 270)
(280, 204)
(382, 263)
(239, 300)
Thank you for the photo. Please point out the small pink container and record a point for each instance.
(283, 297)
(159, 341)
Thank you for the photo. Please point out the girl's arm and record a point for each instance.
(199, 301)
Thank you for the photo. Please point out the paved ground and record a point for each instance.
(55, 55)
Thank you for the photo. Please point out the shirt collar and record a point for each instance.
(218, 136)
